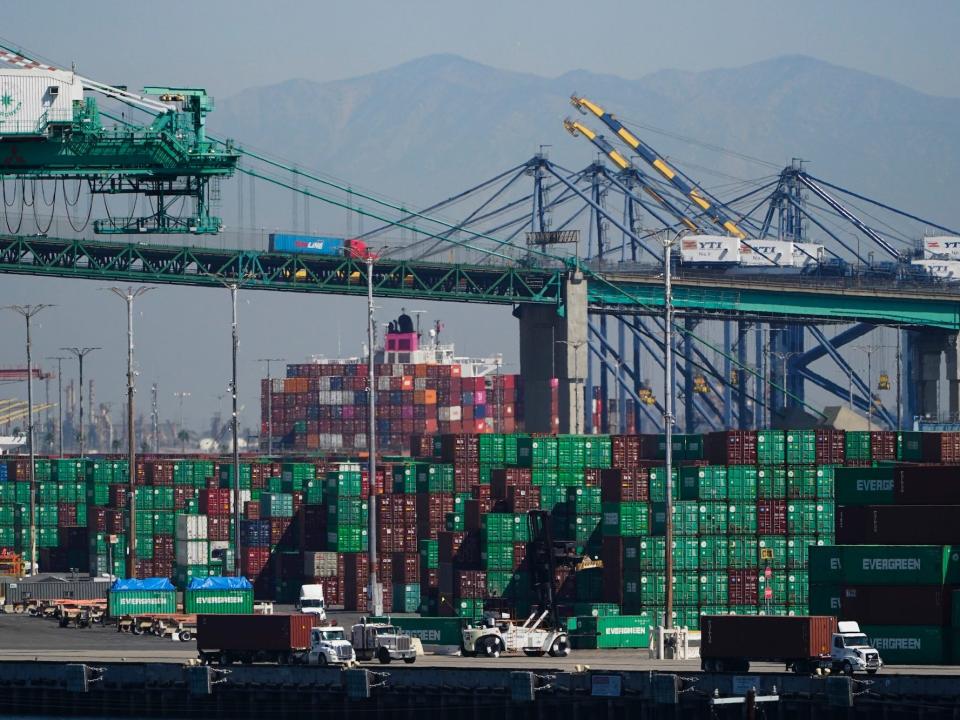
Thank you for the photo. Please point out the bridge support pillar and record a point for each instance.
(951, 349)
(554, 357)
(924, 356)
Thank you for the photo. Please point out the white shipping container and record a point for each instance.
(383, 382)
(277, 384)
(766, 253)
(456, 413)
(805, 254)
(320, 564)
(946, 247)
(191, 527)
(710, 249)
(33, 97)
(219, 545)
(943, 269)
(192, 552)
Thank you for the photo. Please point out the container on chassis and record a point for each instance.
(732, 642)
(253, 638)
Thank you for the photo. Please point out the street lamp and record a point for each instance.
(668, 239)
(59, 359)
(80, 353)
(28, 311)
(128, 296)
(577, 428)
(269, 403)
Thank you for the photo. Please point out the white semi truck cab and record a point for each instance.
(311, 601)
(329, 646)
(851, 650)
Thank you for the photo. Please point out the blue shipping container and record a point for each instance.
(311, 244)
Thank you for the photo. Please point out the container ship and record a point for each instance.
(421, 387)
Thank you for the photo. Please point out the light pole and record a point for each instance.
(269, 403)
(235, 340)
(28, 311)
(80, 353)
(59, 359)
(783, 357)
(668, 239)
(375, 591)
(577, 427)
(128, 297)
(155, 418)
(180, 395)
(868, 350)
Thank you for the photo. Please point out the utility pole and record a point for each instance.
(235, 338)
(269, 403)
(128, 297)
(899, 381)
(668, 420)
(59, 359)
(180, 395)
(375, 590)
(155, 418)
(28, 311)
(80, 353)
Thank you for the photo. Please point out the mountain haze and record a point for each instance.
(426, 129)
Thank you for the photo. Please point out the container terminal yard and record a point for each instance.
(759, 530)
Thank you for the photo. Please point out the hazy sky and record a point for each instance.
(228, 46)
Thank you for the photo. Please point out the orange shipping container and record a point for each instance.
(429, 397)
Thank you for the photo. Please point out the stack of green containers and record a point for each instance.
(911, 588)
(347, 512)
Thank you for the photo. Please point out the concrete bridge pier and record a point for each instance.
(553, 348)
(926, 352)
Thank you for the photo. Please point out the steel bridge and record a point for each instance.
(830, 300)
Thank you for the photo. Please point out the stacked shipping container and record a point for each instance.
(324, 406)
(897, 567)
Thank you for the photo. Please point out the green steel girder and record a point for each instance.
(722, 296)
(785, 299)
(255, 270)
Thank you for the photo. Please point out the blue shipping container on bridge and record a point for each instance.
(312, 244)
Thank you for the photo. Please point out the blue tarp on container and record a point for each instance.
(219, 583)
(144, 584)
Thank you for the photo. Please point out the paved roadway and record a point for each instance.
(25, 638)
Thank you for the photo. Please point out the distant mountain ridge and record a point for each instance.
(430, 127)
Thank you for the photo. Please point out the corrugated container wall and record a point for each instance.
(35, 96)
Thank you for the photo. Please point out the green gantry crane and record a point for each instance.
(50, 130)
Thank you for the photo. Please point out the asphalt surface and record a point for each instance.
(26, 638)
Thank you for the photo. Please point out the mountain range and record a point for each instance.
(428, 128)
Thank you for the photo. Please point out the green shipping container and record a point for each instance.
(885, 564)
(771, 447)
(713, 552)
(658, 485)
(857, 445)
(497, 556)
(712, 518)
(429, 554)
(798, 550)
(430, 630)
(864, 486)
(651, 553)
(348, 538)
(801, 447)
(141, 602)
(771, 483)
(910, 644)
(537, 452)
(713, 588)
(772, 552)
(742, 482)
(910, 446)
(707, 482)
(802, 517)
(825, 482)
(406, 598)
(583, 500)
(608, 631)
(218, 602)
(629, 519)
(686, 553)
(742, 552)
(802, 482)
(742, 518)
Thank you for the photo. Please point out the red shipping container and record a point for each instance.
(772, 517)
(625, 485)
(218, 527)
(742, 587)
(830, 446)
(885, 605)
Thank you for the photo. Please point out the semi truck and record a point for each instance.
(281, 639)
(804, 644)
(312, 602)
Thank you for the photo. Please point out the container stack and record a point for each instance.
(323, 406)
(897, 562)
